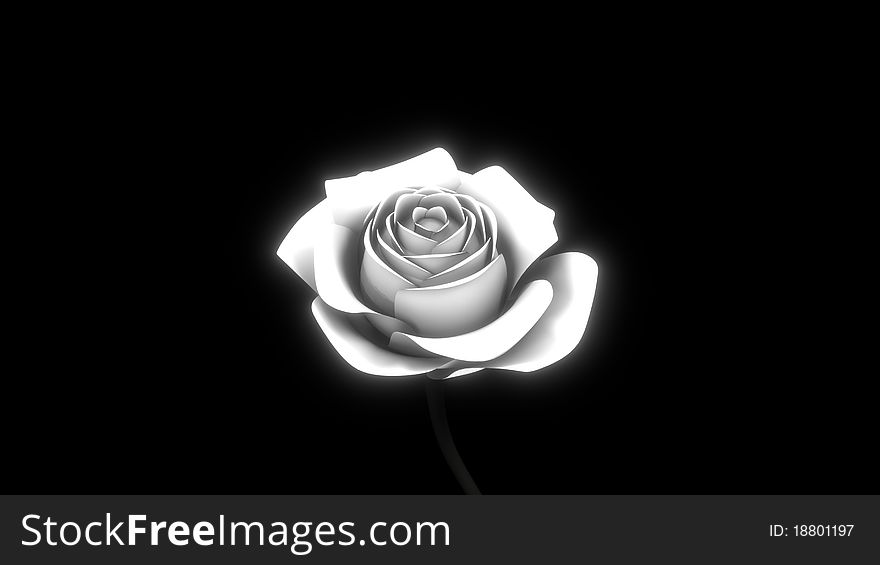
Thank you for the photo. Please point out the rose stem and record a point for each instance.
(437, 408)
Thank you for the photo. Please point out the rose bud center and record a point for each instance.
(431, 220)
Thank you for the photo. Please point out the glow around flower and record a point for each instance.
(422, 268)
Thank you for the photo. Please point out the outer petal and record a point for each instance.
(352, 198)
(457, 307)
(298, 247)
(337, 273)
(463, 372)
(526, 225)
(557, 333)
(361, 353)
(493, 339)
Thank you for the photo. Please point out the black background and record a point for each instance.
(170, 350)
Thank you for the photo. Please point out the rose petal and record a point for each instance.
(361, 353)
(428, 190)
(443, 233)
(495, 338)
(418, 213)
(438, 213)
(462, 269)
(405, 207)
(525, 225)
(298, 248)
(468, 204)
(386, 324)
(336, 274)
(474, 240)
(428, 227)
(413, 243)
(436, 262)
(457, 307)
(462, 372)
(387, 206)
(388, 236)
(447, 202)
(351, 199)
(454, 242)
(401, 265)
(374, 211)
(557, 333)
(491, 229)
(378, 281)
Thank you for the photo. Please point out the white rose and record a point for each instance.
(422, 268)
